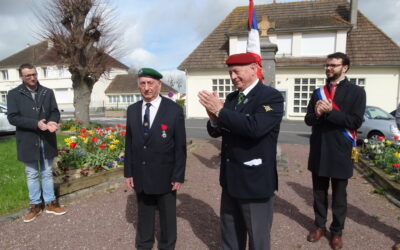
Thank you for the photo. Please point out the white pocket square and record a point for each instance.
(254, 162)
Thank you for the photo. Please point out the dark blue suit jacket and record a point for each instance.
(249, 132)
(157, 161)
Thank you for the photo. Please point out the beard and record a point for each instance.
(333, 75)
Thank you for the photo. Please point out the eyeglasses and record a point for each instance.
(332, 65)
(30, 75)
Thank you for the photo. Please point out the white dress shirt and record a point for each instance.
(155, 104)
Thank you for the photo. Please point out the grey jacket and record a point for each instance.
(24, 113)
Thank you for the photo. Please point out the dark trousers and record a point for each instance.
(242, 217)
(147, 205)
(339, 202)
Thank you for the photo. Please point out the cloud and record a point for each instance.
(140, 58)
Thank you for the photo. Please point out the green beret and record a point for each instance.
(149, 72)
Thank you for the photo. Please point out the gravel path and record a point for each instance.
(106, 220)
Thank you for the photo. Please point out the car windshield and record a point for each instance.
(377, 113)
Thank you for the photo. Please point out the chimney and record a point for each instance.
(353, 13)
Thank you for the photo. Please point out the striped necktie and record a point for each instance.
(146, 119)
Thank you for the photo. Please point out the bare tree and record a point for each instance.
(83, 38)
(174, 79)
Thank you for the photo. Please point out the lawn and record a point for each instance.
(13, 190)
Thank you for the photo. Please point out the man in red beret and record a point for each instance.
(248, 122)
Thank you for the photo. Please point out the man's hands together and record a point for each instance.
(323, 106)
(50, 126)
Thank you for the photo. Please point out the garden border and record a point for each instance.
(379, 179)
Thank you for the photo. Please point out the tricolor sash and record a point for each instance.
(323, 94)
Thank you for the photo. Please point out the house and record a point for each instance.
(305, 32)
(52, 74)
(123, 91)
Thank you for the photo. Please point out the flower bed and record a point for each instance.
(90, 151)
(384, 155)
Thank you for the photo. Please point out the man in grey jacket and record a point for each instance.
(32, 108)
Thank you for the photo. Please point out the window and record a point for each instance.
(3, 96)
(113, 99)
(318, 44)
(303, 89)
(127, 98)
(223, 87)
(4, 74)
(358, 81)
(284, 45)
(137, 97)
(44, 69)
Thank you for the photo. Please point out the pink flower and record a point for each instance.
(118, 125)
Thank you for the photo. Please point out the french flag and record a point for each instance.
(253, 40)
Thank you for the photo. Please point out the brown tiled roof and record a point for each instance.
(127, 84)
(40, 55)
(366, 45)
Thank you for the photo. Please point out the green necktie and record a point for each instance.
(240, 98)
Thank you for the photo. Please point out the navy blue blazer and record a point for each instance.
(157, 161)
(249, 135)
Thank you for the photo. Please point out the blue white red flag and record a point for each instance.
(253, 39)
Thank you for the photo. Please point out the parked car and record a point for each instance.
(377, 122)
(5, 126)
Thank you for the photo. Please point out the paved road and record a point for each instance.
(293, 132)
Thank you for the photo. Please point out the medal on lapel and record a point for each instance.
(163, 130)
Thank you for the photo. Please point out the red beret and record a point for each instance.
(241, 59)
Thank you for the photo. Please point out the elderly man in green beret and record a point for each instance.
(155, 159)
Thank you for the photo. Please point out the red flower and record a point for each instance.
(78, 122)
(83, 130)
(396, 165)
(95, 139)
(164, 127)
(123, 133)
(396, 138)
(97, 128)
(124, 127)
(101, 132)
(102, 146)
(118, 125)
(113, 130)
(72, 145)
(381, 138)
(107, 129)
(83, 135)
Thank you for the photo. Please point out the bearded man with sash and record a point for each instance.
(335, 112)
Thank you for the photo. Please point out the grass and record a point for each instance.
(14, 192)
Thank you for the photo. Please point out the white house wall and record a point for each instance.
(381, 86)
(197, 81)
(62, 85)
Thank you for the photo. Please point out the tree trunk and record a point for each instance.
(82, 94)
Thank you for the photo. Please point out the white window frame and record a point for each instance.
(303, 89)
(223, 87)
(4, 74)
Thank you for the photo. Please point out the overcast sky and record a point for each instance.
(162, 33)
